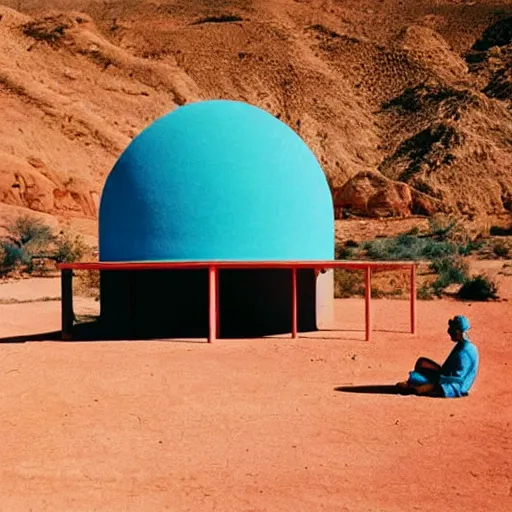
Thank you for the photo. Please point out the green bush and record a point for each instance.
(454, 268)
(413, 231)
(407, 247)
(425, 293)
(501, 249)
(27, 231)
(347, 251)
(440, 226)
(389, 249)
(10, 256)
(348, 283)
(450, 270)
(453, 232)
(470, 247)
(444, 246)
(88, 283)
(479, 288)
(69, 249)
(28, 238)
(445, 238)
(25, 237)
(437, 249)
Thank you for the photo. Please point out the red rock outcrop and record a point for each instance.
(371, 194)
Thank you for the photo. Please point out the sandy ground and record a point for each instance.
(253, 425)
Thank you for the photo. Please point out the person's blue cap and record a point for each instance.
(461, 322)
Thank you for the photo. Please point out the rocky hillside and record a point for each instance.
(407, 105)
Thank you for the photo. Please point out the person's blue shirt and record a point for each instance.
(459, 370)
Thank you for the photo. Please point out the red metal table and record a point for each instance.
(213, 288)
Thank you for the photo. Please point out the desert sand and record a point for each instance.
(252, 425)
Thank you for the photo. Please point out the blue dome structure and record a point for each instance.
(216, 180)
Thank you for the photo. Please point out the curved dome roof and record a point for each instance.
(216, 180)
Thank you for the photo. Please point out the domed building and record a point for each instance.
(215, 180)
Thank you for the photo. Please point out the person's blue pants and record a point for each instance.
(417, 379)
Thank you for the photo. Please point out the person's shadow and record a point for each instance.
(378, 389)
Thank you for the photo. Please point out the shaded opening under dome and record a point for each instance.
(174, 304)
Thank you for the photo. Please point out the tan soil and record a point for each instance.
(253, 425)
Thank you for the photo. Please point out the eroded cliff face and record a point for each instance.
(410, 103)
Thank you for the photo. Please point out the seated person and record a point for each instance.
(455, 377)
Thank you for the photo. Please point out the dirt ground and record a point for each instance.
(253, 425)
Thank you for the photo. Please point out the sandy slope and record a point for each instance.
(369, 85)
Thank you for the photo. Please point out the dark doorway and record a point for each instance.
(174, 303)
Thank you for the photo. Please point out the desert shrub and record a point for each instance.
(388, 249)
(12, 255)
(344, 253)
(491, 249)
(455, 268)
(425, 293)
(437, 248)
(479, 288)
(377, 293)
(88, 283)
(415, 231)
(25, 237)
(440, 226)
(347, 251)
(12, 87)
(449, 270)
(501, 249)
(45, 30)
(27, 231)
(445, 238)
(407, 247)
(223, 18)
(68, 249)
(323, 30)
(29, 239)
(348, 283)
(470, 247)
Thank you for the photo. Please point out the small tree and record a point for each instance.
(26, 231)
(26, 236)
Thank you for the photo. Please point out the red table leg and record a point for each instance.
(294, 304)
(217, 292)
(212, 289)
(367, 300)
(413, 299)
(67, 304)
